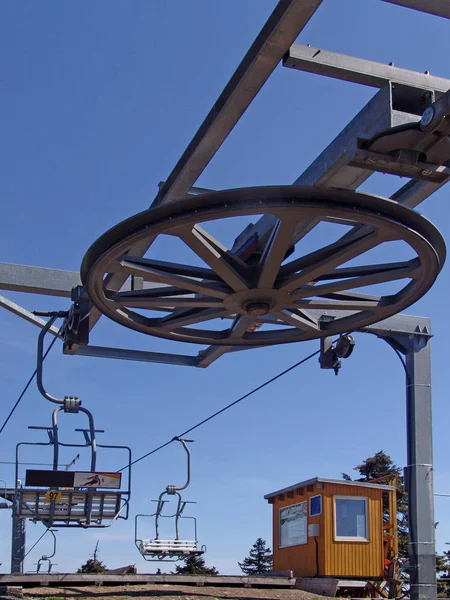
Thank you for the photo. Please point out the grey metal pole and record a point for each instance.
(419, 470)
(17, 541)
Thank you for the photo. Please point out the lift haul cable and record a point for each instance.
(26, 388)
(37, 542)
(253, 391)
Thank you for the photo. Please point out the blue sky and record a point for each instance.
(98, 102)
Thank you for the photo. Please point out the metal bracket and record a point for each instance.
(328, 358)
(87, 436)
(75, 329)
(49, 431)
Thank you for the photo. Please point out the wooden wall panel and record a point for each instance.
(354, 559)
(334, 558)
(302, 560)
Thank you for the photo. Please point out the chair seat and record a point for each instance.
(169, 547)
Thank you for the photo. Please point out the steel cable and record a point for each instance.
(25, 388)
(222, 410)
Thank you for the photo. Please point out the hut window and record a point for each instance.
(293, 525)
(350, 518)
(315, 505)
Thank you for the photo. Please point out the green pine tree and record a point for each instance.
(195, 565)
(259, 560)
(93, 565)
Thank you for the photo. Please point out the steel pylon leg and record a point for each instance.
(419, 470)
(17, 541)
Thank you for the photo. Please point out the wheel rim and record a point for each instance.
(276, 300)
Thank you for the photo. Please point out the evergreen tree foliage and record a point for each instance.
(259, 560)
(443, 572)
(381, 465)
(195, 565)
(92, 566)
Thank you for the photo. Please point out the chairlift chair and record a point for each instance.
(170, 550)
(69, 499)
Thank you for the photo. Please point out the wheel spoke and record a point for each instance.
(279, 242)
(347, 305)
(212, 353)
(297, 318)
(138, 266)
(155, 291)
(176, 268)
(141, 300)
(405, 271)
(349, 295)
(184, 317)
(241, 325)
(367, 270)
(228, 267)
(317, 263)
(115, 281)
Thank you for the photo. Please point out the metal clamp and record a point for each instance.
(71, 404)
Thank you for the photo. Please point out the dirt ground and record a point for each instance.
(165, 592)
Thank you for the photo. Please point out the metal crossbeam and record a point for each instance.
(331, 168)
(19, 311)
(38, 280)
(439, 8)
(138, 355)
(282, 28)
(359, 70)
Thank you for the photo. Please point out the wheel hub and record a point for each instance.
(256, 309)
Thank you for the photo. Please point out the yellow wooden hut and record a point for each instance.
(334, 528)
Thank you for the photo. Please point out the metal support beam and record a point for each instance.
(419, 470)
(137, 355)
(331, 168)
(405, 326)
(282, 28)
(18, 310)
(193, 191)
(37, 280)
(439, 8)
(47, 282)
(17, 541)
(358, 70)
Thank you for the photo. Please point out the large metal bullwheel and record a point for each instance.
(280, 294)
